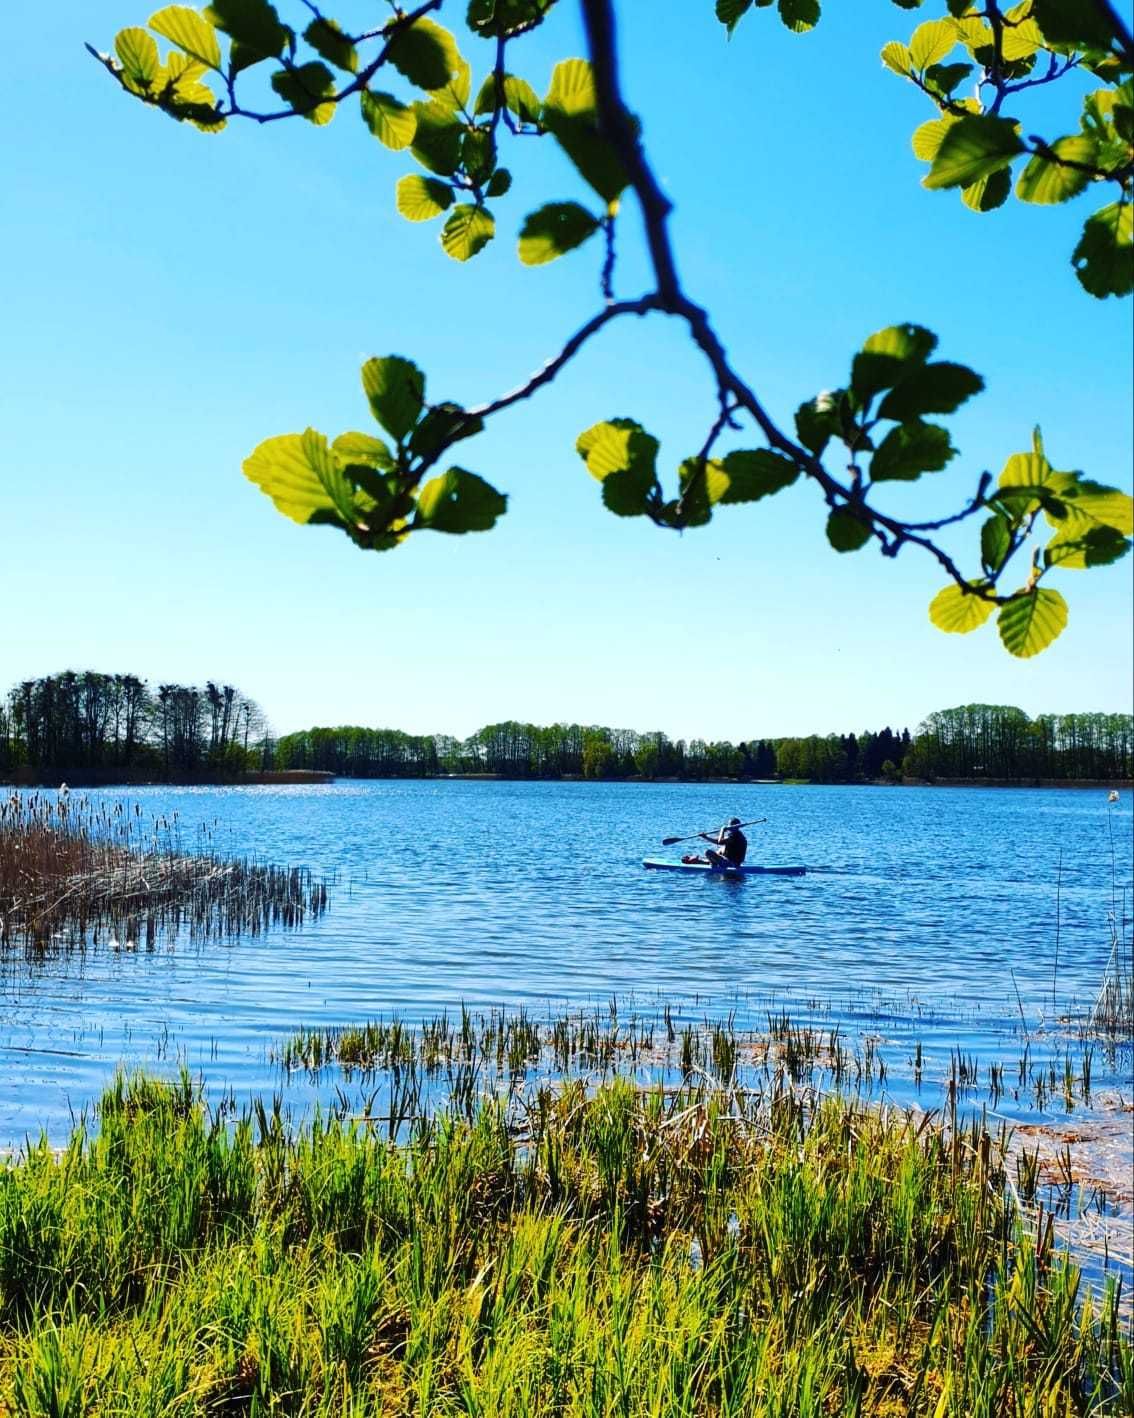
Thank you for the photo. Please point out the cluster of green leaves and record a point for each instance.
(881, 421)
(378, 493)
(972, 146)
(1091, 525)
(451, 134)
(370, 490)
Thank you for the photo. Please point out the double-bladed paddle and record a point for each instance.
(669, 841)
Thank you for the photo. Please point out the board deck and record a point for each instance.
(656, 864)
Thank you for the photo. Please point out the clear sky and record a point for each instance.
(168, 299)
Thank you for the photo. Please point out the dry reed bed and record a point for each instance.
(73, 871)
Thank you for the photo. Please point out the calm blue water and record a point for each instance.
(938, 904)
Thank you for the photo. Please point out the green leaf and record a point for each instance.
(138, 55)
(729, 12)
(254, 28)
(363, 448)
(519, 98)
(190, 32)
(553, 230)
(459, 501)
(1047, 181)
(498, 183)
(989, 192)
(945, 77)
(931, 42)
(846, 531)
(928, 138)
(302, 476)
(1103, 258)
(570, 115)
(973, 147)
(938, 388)
(420, 198)
(468, 230)
(816, 422)
(621, 455)
(1030, 623)
(911, 449)
(442, 425)
(1090, 503)
(1072, 23)
(958, 611)
(748, 475)
(897, 58)
(888, 356)
(1076, 548)
(799, 15)
(396, 390)
(478, 154)
(391, 122)
(437, 140)
(426, 54)
(493, 19)
(328, 40)
(303, 87)
(995, 542)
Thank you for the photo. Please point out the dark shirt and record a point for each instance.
(735, 846)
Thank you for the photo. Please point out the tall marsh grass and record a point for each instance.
(73, 870)
(613, 1251)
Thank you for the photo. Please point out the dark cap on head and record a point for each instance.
(734, 822)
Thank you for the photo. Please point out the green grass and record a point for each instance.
(616, 1252)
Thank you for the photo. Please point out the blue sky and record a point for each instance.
(170, 298)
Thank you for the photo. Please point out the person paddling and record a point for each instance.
(731, 846)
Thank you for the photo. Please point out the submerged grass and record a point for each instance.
(609, 1250)
(71, 871)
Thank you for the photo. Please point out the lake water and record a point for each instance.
(924, 911)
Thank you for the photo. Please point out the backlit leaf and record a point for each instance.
(328, 40)
(897, 58)
(138, 55)
(518, 97)
(931, 42)
(396, 390)
(391, 122)
(459, 501)
(1104, 257)
(958, 611)
(973, 147)
(1046, 180)
(751, 475)
(1030, 623)
(363, 448)
(988, 192)
(301, 475)
(304, 87)
(553, 230)
(437, 139)
(190, 32)
(421, 198)
(254, 28)
(426, 53)
(499, 18)
(468, 230)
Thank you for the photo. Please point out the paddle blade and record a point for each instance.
(669, 841)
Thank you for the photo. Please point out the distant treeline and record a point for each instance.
(84, 726)
(515, 750)
(996, 741)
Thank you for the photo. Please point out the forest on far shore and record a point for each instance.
(91, 727)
